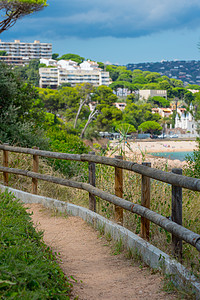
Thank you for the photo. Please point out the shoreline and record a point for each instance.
(142, 150)
(162, 146)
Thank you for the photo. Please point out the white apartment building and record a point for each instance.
(35, 50)
(71, 72)
(14, 60)
(48, 77)
(145, 94)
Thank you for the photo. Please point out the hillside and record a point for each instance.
(187, 71)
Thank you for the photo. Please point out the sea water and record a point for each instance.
(173, 155)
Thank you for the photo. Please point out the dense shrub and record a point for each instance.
(60, 141)
(194, 163)
(28, 268)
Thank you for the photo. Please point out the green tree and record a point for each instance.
(108, 116)
(153, 77)
(193, 87)
(128, 128)
(125, 75)
(114, 71)
(3, 53)
(136, 114)
(75, 57)
(101, 65)
(159, 101)
(150, 126)
(104, 96)
(30, 72)
(55, 55)
(12, 10)
(21, 111)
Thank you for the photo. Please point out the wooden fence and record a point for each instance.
(175, 178)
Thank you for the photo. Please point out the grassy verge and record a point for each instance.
(160, 201)
(28, 268)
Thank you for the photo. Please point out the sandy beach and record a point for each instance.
(163, 146)
(141, 150)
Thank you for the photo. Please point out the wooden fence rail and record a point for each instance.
(168, 177)
(178, 181)
(178, 230)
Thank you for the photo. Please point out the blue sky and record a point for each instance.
(116, 31)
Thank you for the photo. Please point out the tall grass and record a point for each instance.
(160, 201)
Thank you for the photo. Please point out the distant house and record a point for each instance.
(145, 94)
(163, 112)
(120, 106)
(193, 91)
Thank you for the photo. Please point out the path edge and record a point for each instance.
(152, 256)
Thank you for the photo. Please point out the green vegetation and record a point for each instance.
(60, 141)
(29, 73)
(3, 53)
(75, 57)
(12, 10)
(21, 114)
(28, 268)
(73, 103)
(150, 126)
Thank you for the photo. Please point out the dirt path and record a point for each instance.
(88, 259)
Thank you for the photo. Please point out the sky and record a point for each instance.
(116, 31)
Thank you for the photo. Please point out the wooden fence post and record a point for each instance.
(5, 164)
(119, 191)
(177, 216)
(145, 201)
(92, 181)
(35, 169)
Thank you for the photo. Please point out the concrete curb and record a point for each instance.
(151, 255)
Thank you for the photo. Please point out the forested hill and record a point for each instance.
(187, 71)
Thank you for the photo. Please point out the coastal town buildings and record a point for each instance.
(67, 71)
(184, 120)
(18, 52)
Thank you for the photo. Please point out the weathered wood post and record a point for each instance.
(119, 192)
(92, 181)
(35, 169)
(177, 216)
(5, 164)
(145, 201)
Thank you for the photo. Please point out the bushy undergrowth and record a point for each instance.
(28, 268)
(60, 141)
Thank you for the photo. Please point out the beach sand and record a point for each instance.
(140, 151)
